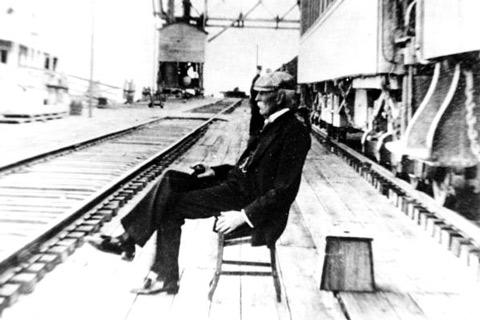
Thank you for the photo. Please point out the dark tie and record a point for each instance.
(245, 163)
(243, 166)
(265, 124)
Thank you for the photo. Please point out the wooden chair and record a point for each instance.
(237, 238)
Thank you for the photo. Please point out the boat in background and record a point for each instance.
(30, 81)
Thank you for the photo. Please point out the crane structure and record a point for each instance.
(182, 40)
(241, 20)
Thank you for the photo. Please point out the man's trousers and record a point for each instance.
(176, 197)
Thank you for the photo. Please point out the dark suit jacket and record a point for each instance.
(272, 178)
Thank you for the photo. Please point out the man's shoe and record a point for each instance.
(125, 248)
(152, 286)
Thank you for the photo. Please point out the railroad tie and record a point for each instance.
(9, 292)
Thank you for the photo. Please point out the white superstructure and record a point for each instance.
(29, 76)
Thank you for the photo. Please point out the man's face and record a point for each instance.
(267, 102)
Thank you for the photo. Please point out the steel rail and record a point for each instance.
(76, 146)
(74, 214)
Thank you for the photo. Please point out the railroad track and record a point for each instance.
(213, 107)
(50, 202)
(451, 230)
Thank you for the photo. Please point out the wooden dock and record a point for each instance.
(25, 115)
(415, 277)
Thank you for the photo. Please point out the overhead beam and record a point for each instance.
(232, 24)
(290, 10)
(253, 19)
(242, 21)
(253, 27)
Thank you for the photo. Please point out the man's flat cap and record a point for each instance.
(273, 81)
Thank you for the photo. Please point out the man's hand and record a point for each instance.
(202, 170)
(229, 221)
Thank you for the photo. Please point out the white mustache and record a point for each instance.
(260, 104)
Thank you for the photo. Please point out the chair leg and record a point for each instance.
(218, 269)
(276, 280)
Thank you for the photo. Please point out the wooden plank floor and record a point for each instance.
(417, 279)
(33, 138)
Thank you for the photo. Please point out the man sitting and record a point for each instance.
(255, 194)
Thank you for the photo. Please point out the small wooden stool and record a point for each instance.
(236, 239)
(348, 264)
